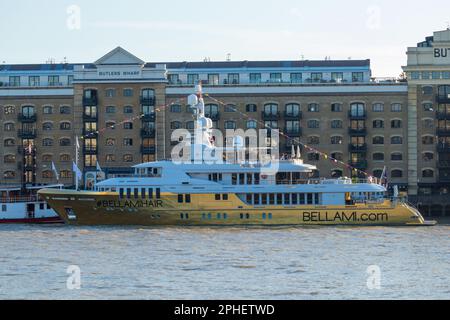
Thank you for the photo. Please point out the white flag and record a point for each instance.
(98, 167)
(77, 171)
(78, 142)
(55, 171)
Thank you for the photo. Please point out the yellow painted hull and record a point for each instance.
(103, 208)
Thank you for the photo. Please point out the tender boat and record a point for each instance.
(201, 193)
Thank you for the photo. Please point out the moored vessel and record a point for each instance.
(200, 191)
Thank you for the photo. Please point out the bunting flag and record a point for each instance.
(55, 171)
(77, 171)
(99, 168)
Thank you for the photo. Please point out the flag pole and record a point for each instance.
(77, 146)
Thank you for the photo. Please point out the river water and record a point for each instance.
(224, 263)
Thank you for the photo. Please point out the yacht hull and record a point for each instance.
(100, 208)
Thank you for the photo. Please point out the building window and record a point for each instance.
(190, 125)
(396, 124)
(296, 77)
(428, 156)
(397, 156)
(255, 77)
(427, 173)
(110, 142)
(336, 140)
(173, 78)
(128, 158)
(428, 140)
(275, 77)
(192, 78)
(230, 125)
(110, 109)
(175, 108)
(127, 109)
(69, 80)
(313, 107)
(337, 156)
(176, 125)
(378, 107)
(428, 123)
(336, 107)
(47, 126)
(66, 174)
(9, 110)
(378, 157)
(14, 81)
(251, 108)
(337, 77)
(427, 90)
(110, 93)
(316, 76)
(337, 173)
(336, 124)
(313, 124)
(64, 142)
(213, 79)
(47, 110)
(252, 124)
(293, 110)
(9, 126)
(47, 142)
(397, 140)
(313, 156)
(427, 106)
(110, 125)
(47, 174)
(47, 157)
(53, 81)
(396, 107)
(233, 78)
(128, 125)
(378, 124)
(9, 175)
(64, 126)
(397, 173)
(313, 140)
(230, 108)
(415, 75)
(64, 110)
(9, 158)
(64, 158)
(378, 140)
(34, 81)
(357, 76)
(425, 75)
(435, 75)
(127, 142)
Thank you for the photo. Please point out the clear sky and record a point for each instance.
(32, 31)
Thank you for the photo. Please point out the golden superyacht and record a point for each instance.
(201, 193)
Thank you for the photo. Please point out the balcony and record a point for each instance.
(357, 131)
(148, 133)
(357, 115)
(147, 101)
(294, 132)
(148, 150)
(90, 149)
(361, 164)
(443, 98)
(443, 147)
(214, 116)
(27, 133)
(443, 132)
(442, 115)
(357, 147)
(293, 115)
(149, 117)
(27, 118)
(90, 117)
(270, 116)
(90, 101)
(90, 133)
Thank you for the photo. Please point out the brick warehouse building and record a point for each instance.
(334, 106)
